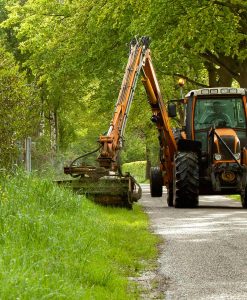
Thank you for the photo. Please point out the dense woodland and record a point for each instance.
(62, 62)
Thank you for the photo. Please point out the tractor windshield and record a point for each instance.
(220, 113)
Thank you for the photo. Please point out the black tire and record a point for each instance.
(170, 195)
(244, 199)
(156, 182)
(186, 183)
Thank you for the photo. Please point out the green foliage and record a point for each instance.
(141, 135)
(18, 108)
(137, 169)
(76, 53)
(56, 245)
(188, 34)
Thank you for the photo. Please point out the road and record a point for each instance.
(204, 254)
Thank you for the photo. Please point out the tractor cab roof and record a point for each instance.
(219, 91)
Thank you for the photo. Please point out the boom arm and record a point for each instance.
(139, 61)
(112, 142)
(167, 141)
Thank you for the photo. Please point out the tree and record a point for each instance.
(18, 109)
(196, 35)
(54, 40)
(76, 53)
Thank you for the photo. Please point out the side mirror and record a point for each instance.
(172, 110)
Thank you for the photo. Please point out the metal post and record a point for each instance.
(181, 83)
(28, 148)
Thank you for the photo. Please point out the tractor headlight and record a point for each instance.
(217, 156)
(237, 156)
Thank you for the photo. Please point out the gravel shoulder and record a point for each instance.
(204, 254)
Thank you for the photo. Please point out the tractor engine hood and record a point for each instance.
(223, 138)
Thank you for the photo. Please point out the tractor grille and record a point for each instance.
(230, 142)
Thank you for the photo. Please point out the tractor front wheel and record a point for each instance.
(186, 180)
(156, 182)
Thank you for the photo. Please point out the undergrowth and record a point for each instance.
(55, 245)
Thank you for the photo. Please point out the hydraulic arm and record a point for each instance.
(112, 143)
(139, 61)
(167, 141)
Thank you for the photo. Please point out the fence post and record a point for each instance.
(28, 158)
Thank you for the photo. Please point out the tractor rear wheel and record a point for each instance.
(170, 195)
(244, 199)
(156, 182)
(186, 180)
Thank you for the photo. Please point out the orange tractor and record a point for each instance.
(206, 156)
(210, 156)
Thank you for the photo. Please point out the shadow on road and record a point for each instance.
(219, 207)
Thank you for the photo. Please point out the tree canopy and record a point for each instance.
(73, 53)
(18, 108)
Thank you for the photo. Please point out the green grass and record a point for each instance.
(235, 197)
(136, 169)
(55, 245)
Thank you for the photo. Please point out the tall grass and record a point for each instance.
(55, 245)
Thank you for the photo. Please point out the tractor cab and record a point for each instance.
(218, 108)
(216, 117)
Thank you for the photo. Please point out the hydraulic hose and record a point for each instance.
(81, 156)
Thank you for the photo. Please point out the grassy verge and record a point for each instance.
(235, 197)
(55, 245)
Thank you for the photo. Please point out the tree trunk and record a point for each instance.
(53, 131)
(218, 76)
(212, 75)
(243, 75)
(42, 124)
(224, 78)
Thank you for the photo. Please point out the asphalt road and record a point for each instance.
(204, 254)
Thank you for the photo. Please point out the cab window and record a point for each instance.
(218, 113)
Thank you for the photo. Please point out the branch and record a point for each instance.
(231, 5)
(56, 15)
(184, 77)
(3, 63)
(240, 9)
(208, 55)
(190, 80)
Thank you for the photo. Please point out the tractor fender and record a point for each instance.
(189, 145)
